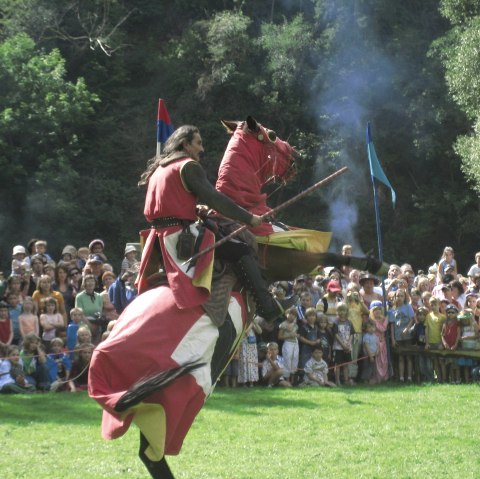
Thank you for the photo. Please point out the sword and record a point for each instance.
(269, 214)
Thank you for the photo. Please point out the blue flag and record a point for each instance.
(164, 124)
(375, 168)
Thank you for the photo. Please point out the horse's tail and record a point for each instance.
(148, 386)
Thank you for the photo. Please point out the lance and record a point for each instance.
(270, 214)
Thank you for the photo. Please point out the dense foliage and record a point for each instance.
(80, 79)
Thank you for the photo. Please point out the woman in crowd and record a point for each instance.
(64, 286)
(45, 290)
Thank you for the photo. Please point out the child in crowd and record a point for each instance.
(19, 256)
(342, 332)
(401, 318)
(447, 263)
(475, 268)
(50, 320)
(305, 303)
(82, 256)
(84, 335)
(59, 367)
(130, 259)
(12, 378)
(325, 338)
(468, 338)
(381, 370)
(426, 299)
(415, 299)
(316, 370)
(14, 311)
(41, 249)
(97, 247)
(434, 324)
(423, 363)
(273, 371)
(248, 356)
(81, 365)
(370, 349)
(28, 320)
(450, 339)
(356, 311)
(34, 362)
(69, 256)
(77, 319)
(6, 328)
(328, 304)
(288, 333)
(308, 337)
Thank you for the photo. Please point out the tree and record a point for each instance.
(459, 52)
(41, 121)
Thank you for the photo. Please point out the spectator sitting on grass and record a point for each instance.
(316, 370)
(34, 362)
(12, 378)
(273, 372)
(81, 365)
(59, 367)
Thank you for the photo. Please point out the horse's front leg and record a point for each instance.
(157, 469)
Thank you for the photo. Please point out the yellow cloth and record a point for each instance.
(301, 239)
(151, 420)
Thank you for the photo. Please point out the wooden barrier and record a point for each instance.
(444, 353)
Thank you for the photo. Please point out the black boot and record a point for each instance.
(158, 469)
(250, 275)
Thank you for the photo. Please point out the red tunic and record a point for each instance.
(450, 333)
(168, 196)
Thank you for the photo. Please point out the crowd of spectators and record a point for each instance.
(349, 328)
(54, 313)
(346, 327)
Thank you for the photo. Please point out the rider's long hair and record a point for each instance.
(173, 144)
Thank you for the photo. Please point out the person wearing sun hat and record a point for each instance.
(368, 282)
(19, 256)
(97, 247)
(130, 260)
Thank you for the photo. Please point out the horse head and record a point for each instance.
(277, 158)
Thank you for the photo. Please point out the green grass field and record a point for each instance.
(360, 432)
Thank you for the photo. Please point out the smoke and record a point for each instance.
(357, 77)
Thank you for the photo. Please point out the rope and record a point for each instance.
(301, 369)
(65, 352)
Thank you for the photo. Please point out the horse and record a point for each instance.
(145, 372)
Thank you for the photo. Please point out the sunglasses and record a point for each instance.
(451, 312)
(74, 273)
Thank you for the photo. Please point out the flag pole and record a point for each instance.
(376, 173)
(377, 220)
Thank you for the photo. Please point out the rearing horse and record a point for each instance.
(255, 157)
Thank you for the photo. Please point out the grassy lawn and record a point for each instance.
(359, 432)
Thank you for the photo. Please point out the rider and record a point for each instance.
(176, 183)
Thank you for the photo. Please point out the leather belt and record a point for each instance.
(169, 221)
